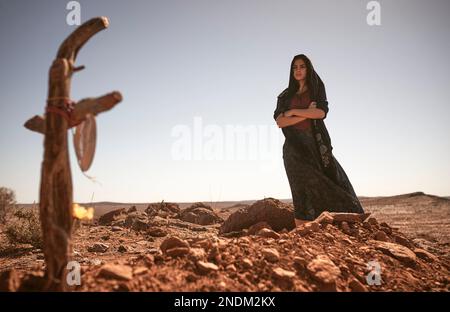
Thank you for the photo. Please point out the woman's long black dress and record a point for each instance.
(313, 190)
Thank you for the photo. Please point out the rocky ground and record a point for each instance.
(251, 247)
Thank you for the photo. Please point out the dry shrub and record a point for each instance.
(7, 203)
(24, 227)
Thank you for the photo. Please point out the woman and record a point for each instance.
(317, 180)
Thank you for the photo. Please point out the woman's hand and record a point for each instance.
(283, 121)
(301, 112)
(280, 120)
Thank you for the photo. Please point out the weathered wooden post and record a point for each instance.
(61, 113)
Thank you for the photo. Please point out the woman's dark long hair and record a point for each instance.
(313, 81)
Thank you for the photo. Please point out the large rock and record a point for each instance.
(206, 267)
(325, 218)
(98, 247)
(177, 251)
(425, 255)
(402, 240)
(162, 209)
(271, 254)
(324, 270)
(199, 213)
(197, 254)
(268, 233)
(109, 217)
(283, 278)
(306, 228)
(137, 221)
(381, 236)
(158, 221)
(174, 246)
(116, 271)
(276, 213)
(282, 274)
(156, 232)
(255, 228)
(402, 253)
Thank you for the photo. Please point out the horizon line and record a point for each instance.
(241, 200)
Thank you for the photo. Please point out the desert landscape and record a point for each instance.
(400, 244)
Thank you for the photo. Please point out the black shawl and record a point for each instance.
(320, 132)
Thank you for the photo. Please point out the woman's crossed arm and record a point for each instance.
(293, 116)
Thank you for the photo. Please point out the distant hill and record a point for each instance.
(228, 204)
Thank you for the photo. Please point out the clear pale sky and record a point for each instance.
(225, 62)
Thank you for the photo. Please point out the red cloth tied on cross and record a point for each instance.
(66, 111)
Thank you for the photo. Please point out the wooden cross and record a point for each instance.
(55, 203)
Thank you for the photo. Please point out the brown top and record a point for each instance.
(301, 101)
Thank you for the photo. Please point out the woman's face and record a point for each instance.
(299, 70)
